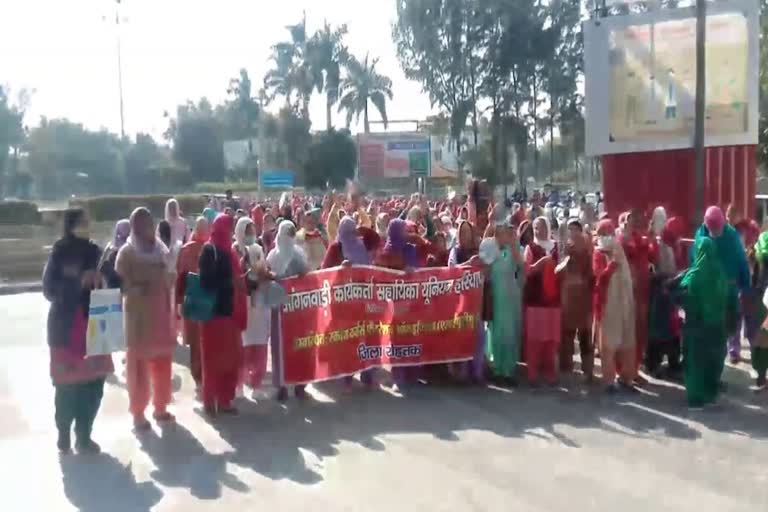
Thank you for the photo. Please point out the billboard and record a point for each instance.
(640, 73)
(394, 155)
(276, 178)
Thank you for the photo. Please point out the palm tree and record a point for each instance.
(292, 72)
(245, 104)
(328, 54)
(361, 84)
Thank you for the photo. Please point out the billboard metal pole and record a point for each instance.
(698, 134)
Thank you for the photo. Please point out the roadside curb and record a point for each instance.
(16, 288)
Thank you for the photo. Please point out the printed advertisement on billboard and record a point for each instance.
(394, 155)
(641, 79)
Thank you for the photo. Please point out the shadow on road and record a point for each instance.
(92, 482)
(182, 461)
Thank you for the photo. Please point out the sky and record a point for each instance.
(172, 51)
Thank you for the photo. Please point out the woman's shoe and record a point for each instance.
(87, 447)
(64, 443)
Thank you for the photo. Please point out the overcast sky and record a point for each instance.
(173, 50)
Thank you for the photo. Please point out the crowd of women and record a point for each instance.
(617, 291)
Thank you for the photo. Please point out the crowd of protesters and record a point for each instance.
(628, 292)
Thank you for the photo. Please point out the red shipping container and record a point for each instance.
(668, 178)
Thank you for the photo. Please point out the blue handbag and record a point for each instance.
(198, 302)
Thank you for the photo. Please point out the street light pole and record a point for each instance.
(698, 134)
(120, 75)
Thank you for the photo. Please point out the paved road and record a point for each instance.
(439, 449)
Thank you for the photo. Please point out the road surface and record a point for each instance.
(440, 449)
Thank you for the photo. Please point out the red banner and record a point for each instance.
(341, 321)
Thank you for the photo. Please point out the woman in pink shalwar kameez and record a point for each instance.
(142, 266)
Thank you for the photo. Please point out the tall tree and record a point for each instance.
(328, 55)
(331, 160)
(197, 141)
(243, 103)
(293, 73)
(11, 132)
(361, 84)
(440, 44)
(65, 158)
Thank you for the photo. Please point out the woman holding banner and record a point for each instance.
(397, 254)
(285, 260)
(68, 278)
(541, 297)
(142, 265)
(465, 252)
(353, 246)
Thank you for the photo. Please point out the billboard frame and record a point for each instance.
(384, 136)
(597, 89)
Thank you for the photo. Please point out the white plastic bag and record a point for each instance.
(105, 323)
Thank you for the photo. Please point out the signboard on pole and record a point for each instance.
(394, 155)
(640, 73)
(276, 178)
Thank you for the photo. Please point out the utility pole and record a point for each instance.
(119, 68)
(698, 134)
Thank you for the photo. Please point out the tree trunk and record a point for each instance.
(552, 143)
(366, 124)
(535, 118)
(328, 120)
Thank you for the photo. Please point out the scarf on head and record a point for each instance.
(285, 251)
(209, 214)
(397, 243)
(548, 245)
(197, 234)
(462, 253)
(673, 231)
(171, 203)
(240, 228)
(705, 282)
(352, 246)
(121, 233)
(658, 220)
(221, 232)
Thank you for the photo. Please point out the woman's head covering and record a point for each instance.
(257, 216)
(705, 281)
(121, 233)
(658, 220)
(172, 209)
(201, 233)
(381, 224)
(749, 231)
(221, 232)
(352, 246)
(72, 217)
(285, 249)
(147, 250)
(240, 228)
(397, 242)
(548, 243)
(714, 219)
(209, 214)
(605, 228)
(673, 231)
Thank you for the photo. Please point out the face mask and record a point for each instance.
(82, 232)
(605, 242)
(250, 240)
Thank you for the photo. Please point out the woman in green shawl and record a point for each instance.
(705, 300)
(502, 254)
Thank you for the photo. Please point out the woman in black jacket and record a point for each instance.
(68, 278)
